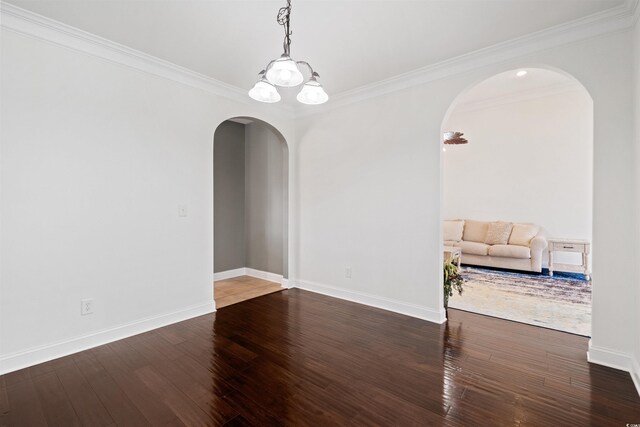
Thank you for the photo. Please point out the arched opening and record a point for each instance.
(251, 199)
(517, 198)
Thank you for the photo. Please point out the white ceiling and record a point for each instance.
(349, 43)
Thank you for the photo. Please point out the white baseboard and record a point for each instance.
(611, 358)
(264, 275)
(635, 374)
(229, 274)
(15, 361)
(401, 307)
(246, 271)
(617, 360)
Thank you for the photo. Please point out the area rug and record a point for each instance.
(558, 302)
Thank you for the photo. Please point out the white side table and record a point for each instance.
(453, 253)
(570, 245)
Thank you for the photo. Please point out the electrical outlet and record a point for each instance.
(86, 306)
(347, 272)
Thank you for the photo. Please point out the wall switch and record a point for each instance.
(182, 211)
(347, 272)
(86, 306)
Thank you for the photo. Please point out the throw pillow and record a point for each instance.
(475, 231)
(498, 233)
(522, 234)
(452, 230)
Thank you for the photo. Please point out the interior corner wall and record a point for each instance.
(527, 161)
(96, 158)
(369, 191)
(266, 182)
(636, 56)
(229, 195)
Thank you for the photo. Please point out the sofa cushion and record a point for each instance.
(522, 234)
(498, 233)
(450, 243)
(510, 251)
(475, 231)
(452, 230)
(473, 248)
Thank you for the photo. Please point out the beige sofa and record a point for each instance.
(514, 246)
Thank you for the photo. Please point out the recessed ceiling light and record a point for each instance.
(521, 73)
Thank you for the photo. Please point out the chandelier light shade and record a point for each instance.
(285, 72)
(312, 93)
(264, 91)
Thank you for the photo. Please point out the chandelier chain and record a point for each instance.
(284, 19)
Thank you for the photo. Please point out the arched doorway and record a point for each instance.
(520, 189)
(251, 181)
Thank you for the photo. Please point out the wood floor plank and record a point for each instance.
(192, 379)
(154, 409)
(183, 407)
(299, 358)
(115, 400)
(55, 403)
(84, 400)
(232, 291)
(24, 406)
(4, 403)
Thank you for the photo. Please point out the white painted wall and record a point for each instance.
(369, 190)
(636, 56)
(370, 183)
(95, 159)
(529, 160)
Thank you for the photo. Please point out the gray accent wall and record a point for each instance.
(250, 199)
(228, 203)
(265, 199)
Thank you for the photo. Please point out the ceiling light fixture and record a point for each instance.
(454, 138)
(521, 73)
(284, 72)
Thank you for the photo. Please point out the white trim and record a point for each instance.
(607, 357)
(619, 18)
(252, 272)
(401, 307)
(229, 274)
(264, 275)
(286, 284)
(19, 360)
(616, 19)
(635, 374)
(616, 360)
(31, 24)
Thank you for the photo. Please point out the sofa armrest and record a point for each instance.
(538, 244)
(538, 248)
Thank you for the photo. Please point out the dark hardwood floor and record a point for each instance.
(299, 358)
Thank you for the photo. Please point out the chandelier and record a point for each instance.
(285, 72)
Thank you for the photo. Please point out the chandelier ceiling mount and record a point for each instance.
(285, 72)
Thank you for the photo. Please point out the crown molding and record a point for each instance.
(619, 18)
(616, 19)
(31, 24)
(519, 96)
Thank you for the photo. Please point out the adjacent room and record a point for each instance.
(250, 210)
(518, 198)
(319, 213)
